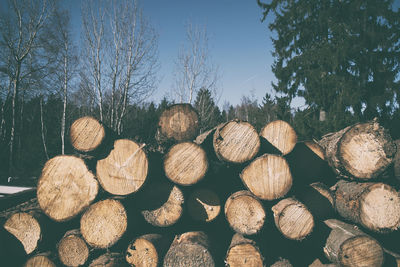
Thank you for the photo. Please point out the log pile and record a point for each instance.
(228, 197)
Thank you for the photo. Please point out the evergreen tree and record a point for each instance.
(209, 113)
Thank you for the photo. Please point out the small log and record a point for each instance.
(72, 249)
(124, 170)
(86, 134)
(348, 246)
(185, 163)
(281, 135)
(109, 259)
(204, 205)
(361, 151)
(282, 263)
(236, 142)
(243, 252)
(65, 187)
(39, 260)
(189, 249)
(375, 206)
(26, 229)
(104, 223)
(244, 213)
(179, 122)
(293, 219)
(146, 250)
(268, 177)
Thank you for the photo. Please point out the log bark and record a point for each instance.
(281, 135)
(104, 223)
(124, 170)
(109, 259)
(362, 151)
(243, 252)
(244, 213)
(179, 122)
(236, 142)
(86, 134)
(72, 249)
(189, 249)
(185, 163)
(39, 260)
(376, 206)
(348, 246)
(293, 219)
(65, 187)
(204, 205)
(268, 177)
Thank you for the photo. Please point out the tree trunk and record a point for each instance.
(42, 129)
(185, 163)
(243, 252)
(104, 223)
(109, 259)
(72, 249)
(281, 135)
(362, 151)
(348, 246)
(268, 177)
(124, 170)
(375, 206)
(13, 119)
(39, 260)
(65, 90)
(244, 213)
(189, 249)
(293, 219)
(204, 205)
(86, 134)
(65, 187)
(236, 142)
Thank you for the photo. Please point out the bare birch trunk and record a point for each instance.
(42, 129)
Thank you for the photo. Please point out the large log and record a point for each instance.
(104, 223)
(375, 206)
(268, 177)
(185, 163)
(124, 170)
(348, 246)
(361, 151)
(244, 213)
(236, 142)
(189, 249)
(72, 249)
(293, 219)
(86, 134)
(243, 252)
(65, 187)
(203, 205)
(281, 135)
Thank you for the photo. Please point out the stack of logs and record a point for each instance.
(228, 197)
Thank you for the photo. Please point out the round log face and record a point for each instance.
(236, 142)
(25, 228)
(188, 254)
(124, 170)
(179, 122)
(281, 135)
(365, 150)
(73, 251)
(361, 251)
(41, 261)
(244, 213)
(268, 177)
(86, 134)
(380, 208)
(142, 253)
(244, 255)
(104, 223)
(185, 163)
(65, 187)
(204, 205)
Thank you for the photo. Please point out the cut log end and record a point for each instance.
(104, 223)
(86, 134)
(124, 170)
(65, 187)
(142, 253)
(72, 250)
(281, 135)
(243, 252)
(268, 177)
(39, 260)
(185, 163)
(236, 142)
(25, 228)
(293, 219)
(244, 213)
(204, 205)
(361, 251)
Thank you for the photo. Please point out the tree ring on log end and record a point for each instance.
(142, 253)
(281, 135)
(188, 254)
(361, 251)
(73, 251)
(86, 134)
(244, 255)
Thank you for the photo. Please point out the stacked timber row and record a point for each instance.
(230, 196)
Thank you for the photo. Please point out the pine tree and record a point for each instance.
(209, 113)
